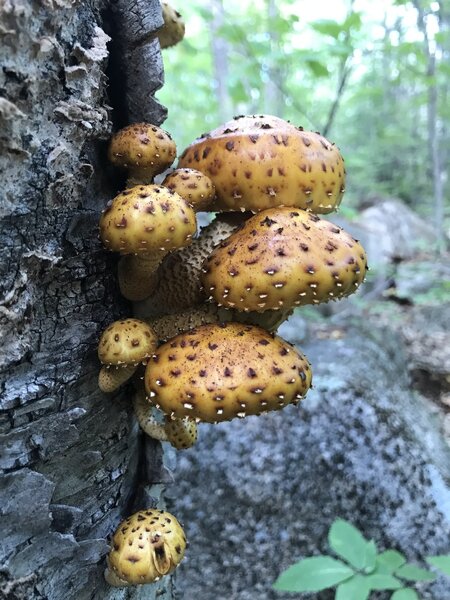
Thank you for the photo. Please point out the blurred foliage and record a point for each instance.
(358, 71)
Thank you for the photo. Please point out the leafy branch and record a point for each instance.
(362, 569)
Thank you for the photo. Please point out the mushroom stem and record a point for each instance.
(147, 421)
(139, 177)
(113, 579)
(181, 433)
(138, 276)
(169, 326)
(179, 275)
(112, 377)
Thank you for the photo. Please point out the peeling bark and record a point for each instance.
(72, 461)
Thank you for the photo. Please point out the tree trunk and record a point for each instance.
(219, 49)
(72, 461)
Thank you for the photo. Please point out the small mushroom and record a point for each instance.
(145, 222)
(196, 187)
(180, 433)
(172, 32)
(257, 162)
(282, 258)
(143, 149)
(145, 547)
(122, 347)
(217, 372)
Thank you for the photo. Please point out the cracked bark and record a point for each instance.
(72, 461)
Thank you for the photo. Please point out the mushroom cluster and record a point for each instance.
(207, 305)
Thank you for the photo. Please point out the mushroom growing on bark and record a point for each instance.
(172, 32)
(218, 372)
(196, 187)
(282, 258)
(122, 347)
(257, 162)
(180, 433)
(145, 222)
(145, 547)
(143, 149)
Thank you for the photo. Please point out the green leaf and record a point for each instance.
(355, 588)
(327, 27)
(318, 68)
(349, 543)
(389, 561)
(405, 594)
(313, 574)
(440, 562)
(413, 573)
(380, 581)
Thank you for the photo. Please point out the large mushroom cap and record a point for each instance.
(142, 147)
(281, 258)
(146, 219)
(128, 341)
(218, 372)
(146, 546)
(257, 162)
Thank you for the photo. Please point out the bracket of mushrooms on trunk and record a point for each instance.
(202, 301)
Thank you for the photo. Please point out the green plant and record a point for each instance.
(364, 570)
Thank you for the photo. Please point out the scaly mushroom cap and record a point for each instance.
(126, 342)
(257, 162)
(146, 546)
(218, 372)
(173, 29)
(281, 258)
(142, 147)
(147, 219)
(196, 187)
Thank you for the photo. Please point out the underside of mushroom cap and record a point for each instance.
(257, 162)
(146, 546)
(142, 146)
(147, 219)
(282, 258)
(218, 372)
(126, 342)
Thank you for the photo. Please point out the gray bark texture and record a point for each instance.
(72, 461)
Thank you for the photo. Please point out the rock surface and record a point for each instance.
(256, 495)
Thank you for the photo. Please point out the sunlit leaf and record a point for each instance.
(405, 594)
(349, 543)
(313, 574)
(327, 27)
(390, 560)
(440, 562)
(413, 573)
(379, 581)
(355, 588)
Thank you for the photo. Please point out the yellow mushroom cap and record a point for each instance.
(257, 162)
(196, 187)
(172, 32)
(146, 219)
(216, 372)
(281, 258)
(126, 342)
(146, 546)
(142, 146)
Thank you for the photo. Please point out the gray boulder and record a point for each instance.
(257, 495)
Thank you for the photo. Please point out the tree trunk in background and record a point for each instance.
(431, 49)
(72, 461)
(274, 97)
(219, 48)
